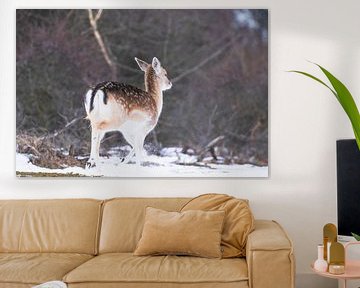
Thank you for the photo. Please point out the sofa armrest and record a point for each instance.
(269, 256)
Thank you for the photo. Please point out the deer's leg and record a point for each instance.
(139, 148)
(128, 157)
(130, 139)
(96, 136)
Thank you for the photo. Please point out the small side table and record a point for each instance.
(352, 269)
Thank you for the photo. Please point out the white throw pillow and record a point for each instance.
(51, 284)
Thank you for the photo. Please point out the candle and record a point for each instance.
(336, 269)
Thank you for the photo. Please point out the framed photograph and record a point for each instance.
(142, 93)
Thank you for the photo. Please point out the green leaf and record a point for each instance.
(344, 97)
(357, 137)
(347, 102)
(356, 236)
(316, 79)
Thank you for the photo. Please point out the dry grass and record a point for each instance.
(43, 174)
(44, 154)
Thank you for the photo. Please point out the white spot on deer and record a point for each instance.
(87, 101)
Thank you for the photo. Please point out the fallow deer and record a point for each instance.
(113, 106)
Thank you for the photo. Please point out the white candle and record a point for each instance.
(336, 269)
(328, 252)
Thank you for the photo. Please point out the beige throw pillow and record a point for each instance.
(239, 220)
(196, 233)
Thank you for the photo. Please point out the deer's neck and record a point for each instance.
(152, 86)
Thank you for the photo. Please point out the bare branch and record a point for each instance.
(255, 128)
(205, 49)
(128, 68)
(239, 137)
(166, 42)
(210, 147)
(210, 120)
(213, 142)
(107, 138)
(57, 132)
(206, 60)
(98, 15)
(100, 41)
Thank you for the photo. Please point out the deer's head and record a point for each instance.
(159, 71)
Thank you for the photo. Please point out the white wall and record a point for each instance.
(305, 120)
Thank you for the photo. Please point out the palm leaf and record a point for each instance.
(316, 79)
(357, 237)
(347, 102)
(344, 97)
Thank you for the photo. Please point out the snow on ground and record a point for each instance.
(24, 165)
(164, 165)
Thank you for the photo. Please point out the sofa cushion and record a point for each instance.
(236, 284)
(126, 268)
(123, 220)
(63, 226)
(239, 220)
(36, 268)
(193, 232)
(15, 285)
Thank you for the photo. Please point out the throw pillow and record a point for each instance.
(196, 233)
(239, 220)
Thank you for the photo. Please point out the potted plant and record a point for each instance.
(345, 99)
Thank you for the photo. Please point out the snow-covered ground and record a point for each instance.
(165, 165)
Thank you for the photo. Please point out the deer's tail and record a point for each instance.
(94, 98)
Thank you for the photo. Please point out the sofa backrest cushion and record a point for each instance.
(123, 220)
(239, 220)
(66, 226)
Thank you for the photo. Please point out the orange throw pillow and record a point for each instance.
(196, 233)
(238, 224)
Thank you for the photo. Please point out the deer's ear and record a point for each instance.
(156, 65)
(142, 64)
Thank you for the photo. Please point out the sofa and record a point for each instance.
(90, 243)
